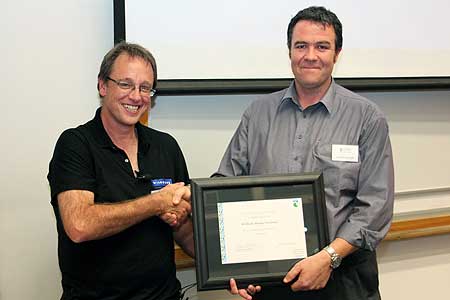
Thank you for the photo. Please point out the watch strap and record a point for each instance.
(335, 258)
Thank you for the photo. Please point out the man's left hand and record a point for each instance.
(311, 273)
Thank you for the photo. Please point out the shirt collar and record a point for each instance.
(143, 139)
(99, 131)
(328, 99)
(105, 141)
(290, 95)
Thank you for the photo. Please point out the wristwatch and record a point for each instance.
(335, 258)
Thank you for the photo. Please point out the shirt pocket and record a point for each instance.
(340, 177)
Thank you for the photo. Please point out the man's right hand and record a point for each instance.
(244, 293)
(176, 206)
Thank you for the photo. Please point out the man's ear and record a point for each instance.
(102, 87)
(336, 55)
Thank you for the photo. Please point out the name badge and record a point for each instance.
(349, 153)
(160, 183)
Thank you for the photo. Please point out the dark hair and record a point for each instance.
(317, 14)
(133, 50)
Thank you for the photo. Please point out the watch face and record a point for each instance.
(335, 261)
(335, 258)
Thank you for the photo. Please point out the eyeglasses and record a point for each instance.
(128, 85)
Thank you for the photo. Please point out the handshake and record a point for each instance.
(175, 205)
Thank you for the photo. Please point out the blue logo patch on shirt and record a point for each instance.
(160, 183)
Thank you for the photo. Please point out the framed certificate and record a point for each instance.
(254, 228)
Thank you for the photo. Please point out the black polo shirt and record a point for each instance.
(137, 263)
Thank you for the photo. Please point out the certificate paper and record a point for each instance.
(261, 230)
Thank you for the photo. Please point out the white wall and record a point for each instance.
(51, 52)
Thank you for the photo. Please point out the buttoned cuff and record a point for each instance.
(358, 236)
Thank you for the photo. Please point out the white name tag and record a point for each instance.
(348, 153)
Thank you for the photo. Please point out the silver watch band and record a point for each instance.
(336, 259)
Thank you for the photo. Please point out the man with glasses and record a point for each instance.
(118, 191)
(317, 125)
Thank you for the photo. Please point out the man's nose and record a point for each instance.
(135, 94)
(310, 53)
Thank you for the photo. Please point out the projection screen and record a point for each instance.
(245, 41)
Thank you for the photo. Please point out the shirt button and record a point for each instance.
(126, 160)
(300, 136)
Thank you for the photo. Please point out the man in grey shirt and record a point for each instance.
(317, 125)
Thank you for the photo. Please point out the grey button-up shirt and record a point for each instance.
(276, 135)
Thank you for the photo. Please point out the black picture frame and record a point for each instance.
(208, 192)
